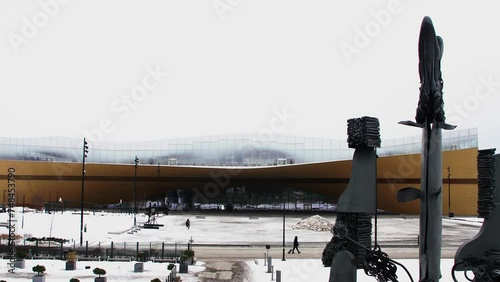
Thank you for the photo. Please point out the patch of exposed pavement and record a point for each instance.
(225, 271)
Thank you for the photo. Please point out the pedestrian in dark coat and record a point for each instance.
(295, 245)
(188, 224)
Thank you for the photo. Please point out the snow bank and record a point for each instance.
(314, 223)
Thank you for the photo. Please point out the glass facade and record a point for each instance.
(216, 150)
(271, 198)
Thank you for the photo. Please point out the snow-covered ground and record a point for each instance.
(213, 228)
(298, 270)
(292, 270)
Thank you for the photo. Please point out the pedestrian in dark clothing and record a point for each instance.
(295, 245)
(188, 224)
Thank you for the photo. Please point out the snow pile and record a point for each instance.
(314, 223)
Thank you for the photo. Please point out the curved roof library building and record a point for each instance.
(240, 171)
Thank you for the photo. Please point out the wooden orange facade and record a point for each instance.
(40, 181)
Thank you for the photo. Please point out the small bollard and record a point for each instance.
(278, 275)
(265, 256)
(269, 264)
(139, 267)
(272, 273)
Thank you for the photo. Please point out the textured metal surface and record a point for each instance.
(486, 195)
(487, 239)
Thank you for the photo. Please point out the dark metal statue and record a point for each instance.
(363, 135)
(346, 252)
(481, 254)
(430, 117)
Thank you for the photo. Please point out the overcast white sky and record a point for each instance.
(99, 68)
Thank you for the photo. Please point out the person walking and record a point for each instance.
(188, 224)
(295, 245)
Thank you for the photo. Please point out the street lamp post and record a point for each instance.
(85, 151)
(136, 163)
(283, 259)
(450, 214)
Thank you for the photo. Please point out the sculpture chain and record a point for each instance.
(376, 263)
(485, 268)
